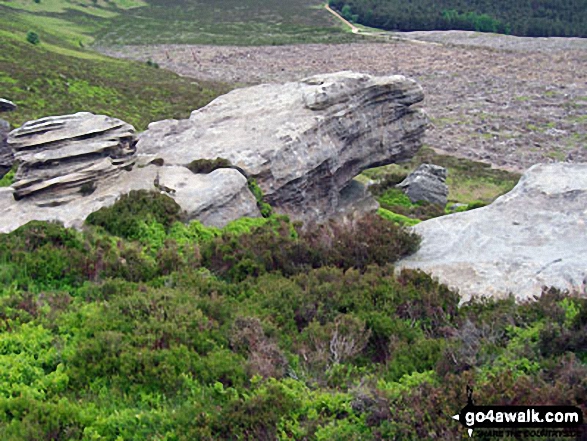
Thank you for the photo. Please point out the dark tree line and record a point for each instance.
(531, 18)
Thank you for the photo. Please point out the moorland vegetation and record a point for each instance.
(142, 327)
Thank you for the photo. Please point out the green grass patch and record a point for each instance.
(206, 22)
(66, 78)
(8, 179)
(468, 181)
(397, 218)
(251, 332)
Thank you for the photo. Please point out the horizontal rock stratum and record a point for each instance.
(60, 155)
(534, 236)
(303, 141)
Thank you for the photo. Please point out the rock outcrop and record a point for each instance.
(62, 156)
(304, 141)
(534, 236)
(6, 156)
(426, 183)
(215, 199)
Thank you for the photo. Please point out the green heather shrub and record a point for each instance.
(44, 254)
(263, 206)
(127, 216)
(356, 244)
(398, 219)
(208, 165)
(396, 201)
(261, 330)
(32, 37)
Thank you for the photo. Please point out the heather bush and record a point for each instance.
(127, 216)
(275, 247)
(260, 330)
(208, 165)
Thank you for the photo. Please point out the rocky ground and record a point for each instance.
(508, 101)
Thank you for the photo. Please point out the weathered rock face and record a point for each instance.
(303, 142)
(61, 156)
(534, 236)
(426, 183)
(73, 165)
(6, 156)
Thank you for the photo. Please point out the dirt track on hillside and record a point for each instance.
(511, 108)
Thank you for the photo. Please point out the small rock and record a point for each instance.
(426, 183)
(6, 105)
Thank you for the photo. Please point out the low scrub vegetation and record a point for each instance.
(208, 165)
(154, 329)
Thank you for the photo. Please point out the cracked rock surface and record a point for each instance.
(533, 236)
(302, 141)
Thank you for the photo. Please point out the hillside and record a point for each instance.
(59, 76)
(504, 100)
(208, 22)
(541, 18)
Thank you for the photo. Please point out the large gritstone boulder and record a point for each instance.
(531, 237)
(303, 141)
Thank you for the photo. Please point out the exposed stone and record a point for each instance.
(60, 155)
(356, 198)
(6, 105)
(426, 183)
(215, 199)
(303, 141)
(534, 236)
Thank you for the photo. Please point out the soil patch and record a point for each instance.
(508, 101)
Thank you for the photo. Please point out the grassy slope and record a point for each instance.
(66, 77)
(59, 76)
(225, 22)
(185, 21)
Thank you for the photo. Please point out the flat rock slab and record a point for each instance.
(302, 141)
(534, 236)
(215, 199)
